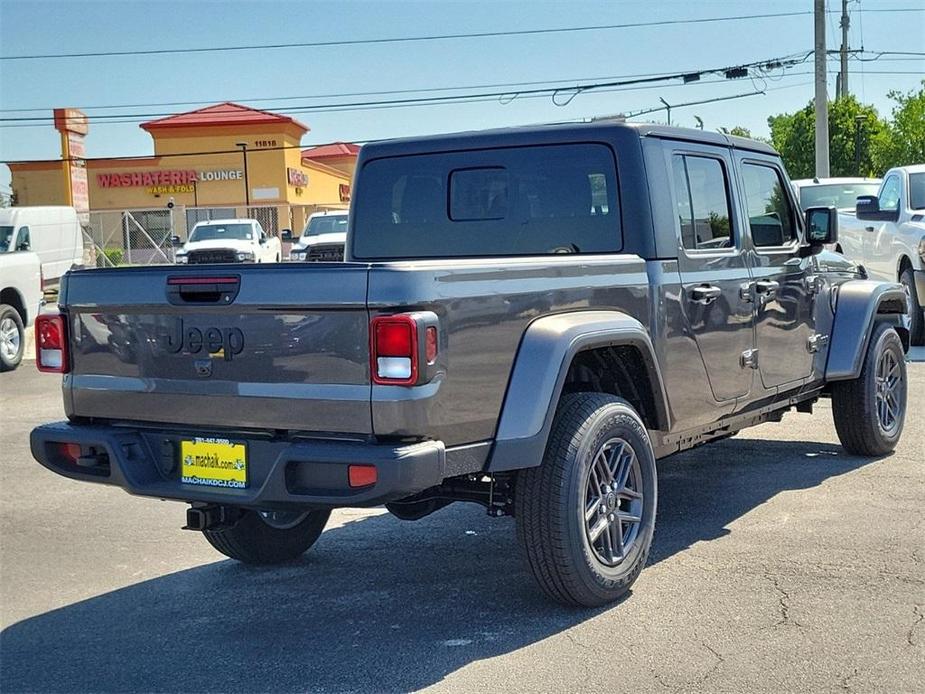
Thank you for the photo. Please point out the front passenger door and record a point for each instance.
(783, 288)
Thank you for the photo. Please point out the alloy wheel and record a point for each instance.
(10, 339)
(889, 386)
(613, 501)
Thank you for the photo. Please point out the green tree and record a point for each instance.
(794, 136)
(902, 141)
(738, 131)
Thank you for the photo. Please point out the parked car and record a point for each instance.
(515, 325)
(53, 233)
(322, 239)
(20, 302)
(229, 241)
(841, 193)
(886, 233)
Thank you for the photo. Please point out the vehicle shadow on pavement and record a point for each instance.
(378, 604)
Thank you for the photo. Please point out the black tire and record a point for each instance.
(253, 540)
(11, 350)
(551, 502)
(916, 313)
(856, 404)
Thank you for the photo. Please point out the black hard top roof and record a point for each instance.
(550, 133)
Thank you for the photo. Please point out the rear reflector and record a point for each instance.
(51, 343)
(361, 475)
(394, 350)
(69, 451)
(430, 344)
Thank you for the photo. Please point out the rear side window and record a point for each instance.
(770, 217)
(703, 203)
(512, 201)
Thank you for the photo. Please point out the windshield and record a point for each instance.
(916, 192)
(220, 232)
(839, 195)
(6, 238)
(328, 224)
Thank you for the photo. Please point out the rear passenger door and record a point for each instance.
(784, 288)
(713, 267)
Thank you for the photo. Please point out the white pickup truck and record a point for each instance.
(886, 234)
(229, 241)
(20, 302)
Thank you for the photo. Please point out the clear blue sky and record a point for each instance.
(54, 27)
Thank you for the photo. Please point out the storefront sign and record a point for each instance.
(296, 177)
(170, 190)
(344, 191)
(148, 179)
(73, 126)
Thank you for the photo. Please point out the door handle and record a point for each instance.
(868, 228)
(767, 289)
(705, 294)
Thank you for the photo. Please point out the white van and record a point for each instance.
(52, 233)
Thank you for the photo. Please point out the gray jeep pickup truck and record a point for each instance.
(526, 319)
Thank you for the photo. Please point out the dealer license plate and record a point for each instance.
(213, 463)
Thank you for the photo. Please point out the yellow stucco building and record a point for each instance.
(229, 158)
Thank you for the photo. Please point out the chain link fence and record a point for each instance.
(144, 236)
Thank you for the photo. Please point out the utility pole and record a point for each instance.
(842, 90)
(822, 106)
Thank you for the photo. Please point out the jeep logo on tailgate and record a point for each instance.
(228, 341)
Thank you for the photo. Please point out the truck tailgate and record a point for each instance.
(233, 346)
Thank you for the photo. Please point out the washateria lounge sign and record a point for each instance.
(149, 179)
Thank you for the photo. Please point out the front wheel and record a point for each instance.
(870, 410)
(12, 338)
(269, 537)
(586, 515)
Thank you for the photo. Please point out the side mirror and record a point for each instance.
(24, 246)
(263, 240)
(868, 209)
(286, 234)
(175, 241)
(821, 225)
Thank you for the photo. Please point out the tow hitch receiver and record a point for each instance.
(210, 517)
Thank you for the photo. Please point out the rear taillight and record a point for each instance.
(394, 350)
(51, 343)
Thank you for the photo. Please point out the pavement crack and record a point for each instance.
(918, 618)
(783, 604)
(719, 661)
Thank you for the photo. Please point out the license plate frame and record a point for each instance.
(214, 461)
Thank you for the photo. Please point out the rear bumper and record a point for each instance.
(282, 474)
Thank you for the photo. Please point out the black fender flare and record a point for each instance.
(859, 306)
(543, 359)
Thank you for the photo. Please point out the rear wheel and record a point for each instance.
(586, 515)
(12, 338)
(870, 410)
(917, 323)
(269, 537)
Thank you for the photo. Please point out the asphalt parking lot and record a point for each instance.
(779, 564)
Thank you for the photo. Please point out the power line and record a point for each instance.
(478, 99)
(574, 90)
(405, 39)
(434, 37)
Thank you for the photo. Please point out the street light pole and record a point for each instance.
(247, 188)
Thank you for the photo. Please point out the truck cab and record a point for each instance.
(886, 233)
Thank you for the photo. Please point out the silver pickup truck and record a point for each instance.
(526, 319)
